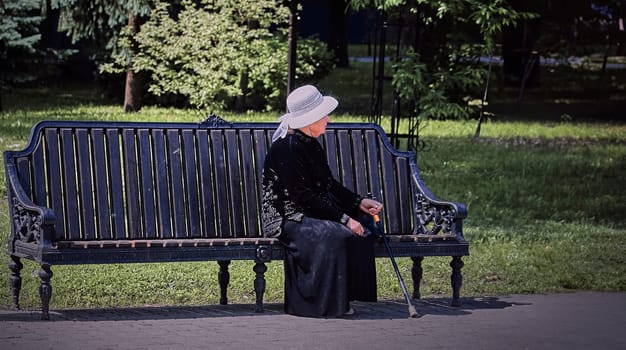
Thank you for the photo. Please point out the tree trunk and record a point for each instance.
(132, 92)
(293, 44)
(338, 31)
(133, 88)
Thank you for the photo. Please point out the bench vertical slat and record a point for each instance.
(404, 194)
(373, 170)
(24, 174)
(223, 226)
(191, 181)
(250, 191)
(260, 150)
(235, 198)
(206, 183)
(358, 163)
(39, 179)
(85, 183)
(330, 144)
(389, 191)
(146, 184)
(118, 216)
(54, 180)
(131, 183)
(100, 170)
(262, 142)
(345, 160)
(160, 165)
(70, 192)
(177, 190)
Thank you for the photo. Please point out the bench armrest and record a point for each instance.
(432, 215)
(30, 223)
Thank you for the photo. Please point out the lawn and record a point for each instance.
(546, 199)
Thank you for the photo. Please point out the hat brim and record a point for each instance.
(302, 120)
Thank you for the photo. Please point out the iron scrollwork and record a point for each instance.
(27, 223)
(215, 121)
(433, 219)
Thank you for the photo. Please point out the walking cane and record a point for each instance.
(412, 311)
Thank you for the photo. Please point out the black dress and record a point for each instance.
(326, 265)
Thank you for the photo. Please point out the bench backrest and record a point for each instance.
(118, 180)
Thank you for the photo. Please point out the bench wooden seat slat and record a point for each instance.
(111, 192)
(221, 184)
(38, 184)
(100, 184)
(146, 184)
(160, 166)
(359, 164)
(54, 181)
(85, 189)
(129, 163)
(69, 183)
(373, 160)
(404, 199)
(390, 190)
(206, 242)
(234, 196)
(331, 152)
(206, 184)
(249, 187)
(173, 191)
(191, 190)
(346, 168)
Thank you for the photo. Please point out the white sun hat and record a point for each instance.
(306, 105)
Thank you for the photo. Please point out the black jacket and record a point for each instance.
(297, 181)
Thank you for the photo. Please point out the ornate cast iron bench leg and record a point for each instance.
(45, 290)
(223, 276)
(16, 280)
(416, 273)
(263, 255)
(259, 285)
(456, 278)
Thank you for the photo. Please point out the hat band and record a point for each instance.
(306, 106)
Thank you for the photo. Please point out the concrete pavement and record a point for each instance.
(581, 320)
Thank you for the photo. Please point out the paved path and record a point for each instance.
(583, 320)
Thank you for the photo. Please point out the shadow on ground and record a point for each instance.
(384, 309)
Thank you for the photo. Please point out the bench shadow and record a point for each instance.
(384, 309)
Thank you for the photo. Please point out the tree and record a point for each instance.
(19, 36)
(440, 68)
(219, 54)
(109, 27)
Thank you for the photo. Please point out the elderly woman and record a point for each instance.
(329, 257)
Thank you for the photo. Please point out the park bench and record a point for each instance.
(135, 192)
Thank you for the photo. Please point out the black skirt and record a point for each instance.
(326, 267)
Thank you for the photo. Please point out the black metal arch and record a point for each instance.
(389, 31)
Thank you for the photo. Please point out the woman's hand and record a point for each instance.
(355, 227)
(370, 206)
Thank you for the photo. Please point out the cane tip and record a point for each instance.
(412, 312)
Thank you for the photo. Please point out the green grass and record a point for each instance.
(546, 204)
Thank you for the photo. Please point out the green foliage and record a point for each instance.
(412, 81)
(21, 58)
(218, 55)
(19, 36)
(442, 72)
(99, 23)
